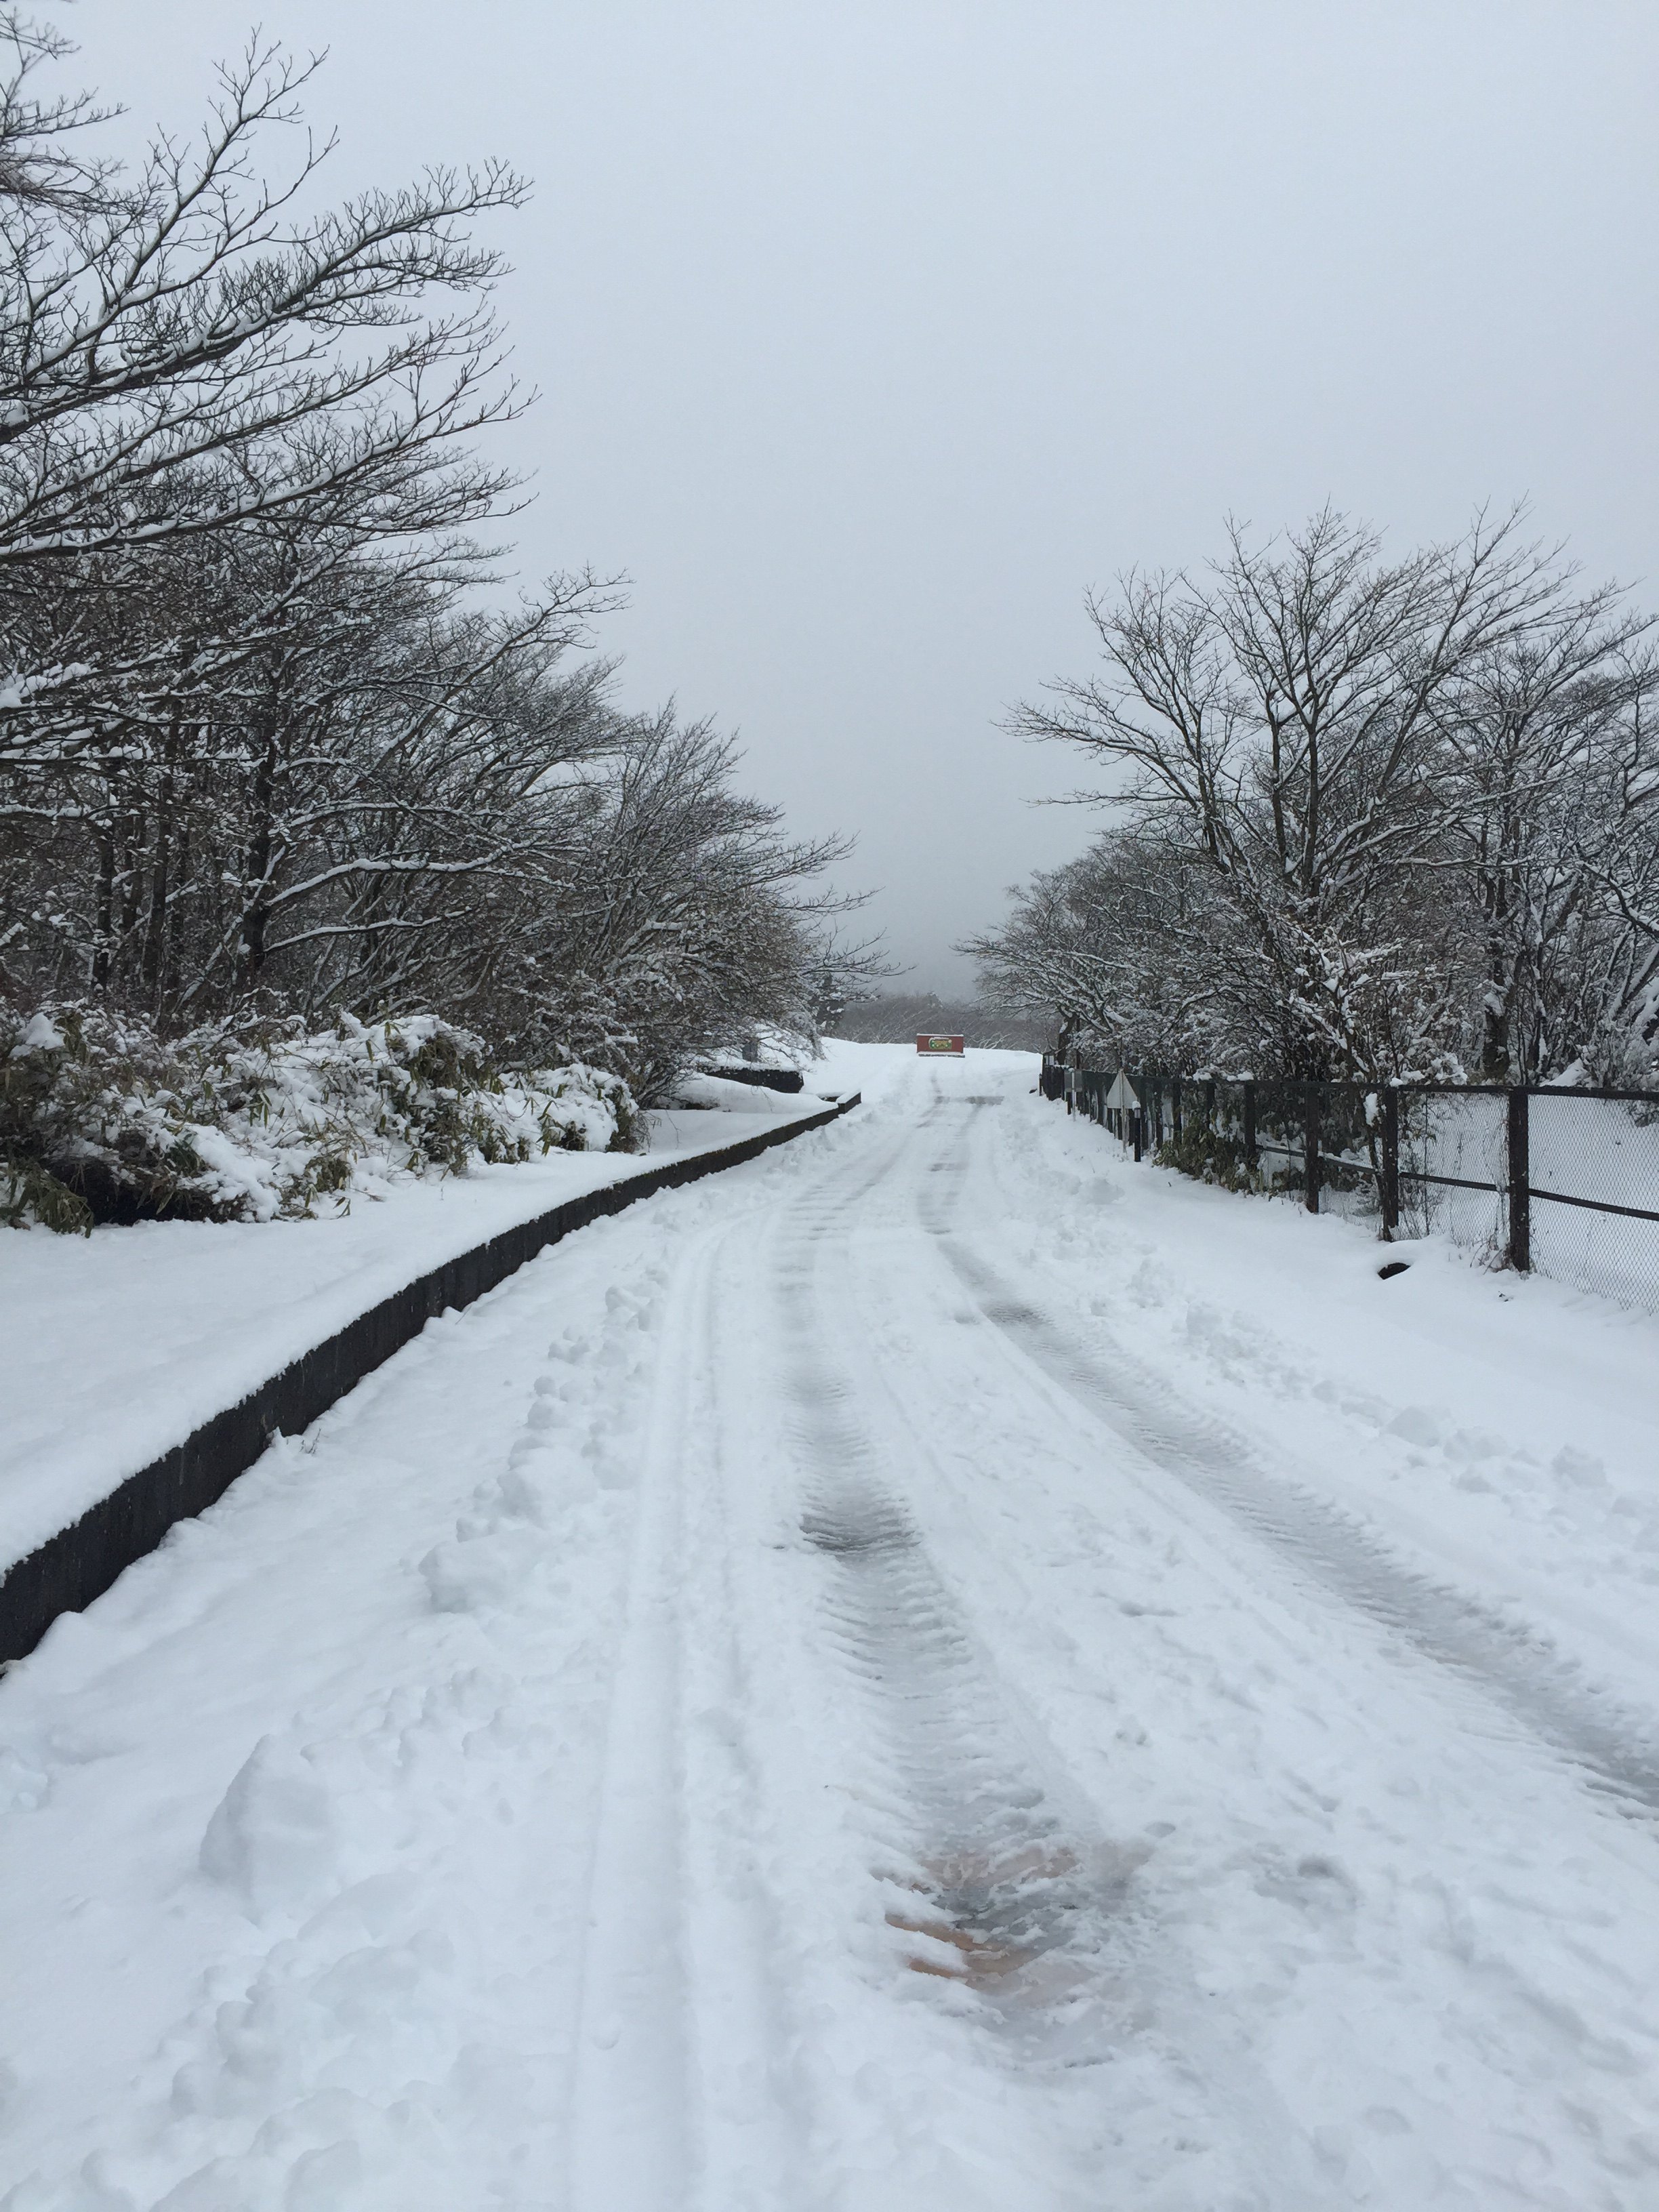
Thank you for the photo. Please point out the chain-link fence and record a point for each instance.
(1563, 1182)
(1594, 1179)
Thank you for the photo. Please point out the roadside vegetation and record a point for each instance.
(1368, 818)
(282, 767)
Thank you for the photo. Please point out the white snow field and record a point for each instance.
(937, 1672)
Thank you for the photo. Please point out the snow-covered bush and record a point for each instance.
(1210, 1155)
(100, 1120)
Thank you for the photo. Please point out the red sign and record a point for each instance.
(950, 1044)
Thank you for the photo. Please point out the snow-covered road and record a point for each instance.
(931, 1700)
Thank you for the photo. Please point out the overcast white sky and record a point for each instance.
(870, 334)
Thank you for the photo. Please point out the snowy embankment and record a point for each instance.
(938, 1672)
(1502, 1429)
(103, 1120)
(115, 1348)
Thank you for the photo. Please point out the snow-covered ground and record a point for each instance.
(115, 1348)
(939, 1670)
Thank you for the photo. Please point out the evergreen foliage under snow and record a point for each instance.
(103, 1120)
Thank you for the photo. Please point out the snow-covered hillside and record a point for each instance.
(939, 1670)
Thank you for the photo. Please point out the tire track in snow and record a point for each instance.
(680, 2093)
(1614, 1751)
(629, 2142)
(994, 1884)
(997, 1889)
(1041, 2037)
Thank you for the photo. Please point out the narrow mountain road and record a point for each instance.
(782, 1706)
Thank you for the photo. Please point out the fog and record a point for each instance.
(868, 337)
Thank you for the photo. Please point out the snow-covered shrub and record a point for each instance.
(1622, 1056)
(1209, 1156)
(101, 1119)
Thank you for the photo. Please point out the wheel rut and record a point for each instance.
(996, 1876)
(1615, 1753)
(998, 1889)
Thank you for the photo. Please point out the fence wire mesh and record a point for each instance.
(1605, 1150)
(1454, 1169)
(1577, 1201)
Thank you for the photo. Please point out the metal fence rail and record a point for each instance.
(1536, 1177)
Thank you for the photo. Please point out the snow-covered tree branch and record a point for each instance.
(1374, 817)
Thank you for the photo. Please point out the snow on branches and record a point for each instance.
(1374, 818)
(266, 753)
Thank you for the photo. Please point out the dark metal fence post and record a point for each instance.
(1250, 1154)
(1310, 1148)
(1175, 1100)
(1391, 1190)
(1135, 1119)
(1520, 1185)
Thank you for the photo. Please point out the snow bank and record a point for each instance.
(768, 1048)
(348, 1865)
(116, 1347)
(719, 1093)
(1496, 1429)
(102, 1120)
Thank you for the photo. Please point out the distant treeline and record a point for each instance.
(895, 1018)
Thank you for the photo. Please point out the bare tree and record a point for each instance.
(184, 354)
(687, 914)
(1111, 947)
(1281, 726)
(41, 162)
(1557, 778)
(262, 749)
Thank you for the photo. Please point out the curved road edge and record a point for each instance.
(83, 1560)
